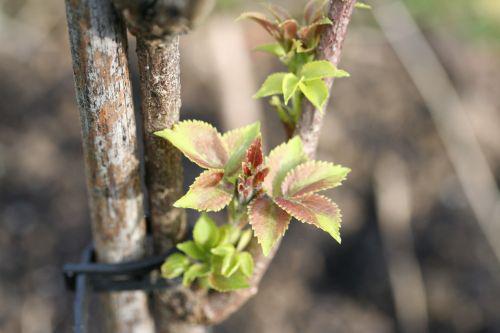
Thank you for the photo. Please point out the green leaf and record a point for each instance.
(362, 5)
(316, 92)
(314, 209)
(311, 177)
(246, 237)
(198, 141)
(209, 193)
(223, 250)
(230, 265)
(237, 143)
(223, 284)
(195, 271)
(269, 222)
(228, 234)
(318, 70)
(274, 48)
(272, 86)
(246, 263)
(290, 85)
(205, 232)
(174, 266)
(192, 250)
(281, 160)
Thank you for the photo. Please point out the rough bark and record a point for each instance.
(159, 72)
(330, 48)
(161, 102)
(104, 96)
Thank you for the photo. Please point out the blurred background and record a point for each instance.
(418, 122)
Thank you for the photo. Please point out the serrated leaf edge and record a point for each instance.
(305, 165)
(300, 220)
(217, 209)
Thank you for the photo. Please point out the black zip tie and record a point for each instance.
(89, 276)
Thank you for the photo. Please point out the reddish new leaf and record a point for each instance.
(279, 13)
(289, 29)
(313, 176)
(255, 157)
(237, 143)
(316, 210)
(269, 222)
(209, 193)
(263, 21)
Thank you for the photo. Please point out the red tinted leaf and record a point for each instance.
(255, 157)
(316, 210)
(313, 176)
(314, 10)
(280, 161)
(209, 193)
(311, 31)
(289, 29)
(263, 21)
(269, 222)
(198, 141)
(279, 13)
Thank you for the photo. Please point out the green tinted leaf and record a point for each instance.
(316, 92)
(362, 5)
(198, 141)
(272, 86)
(237, 143)
(191, 249)
(230, 265)
(275, 49)
(318, 70)
(205, 232)
(195, 271)
(223, 250)
(246, 237)
(281, 160)
(269, 222)
(313, 176)
(228, 234)
(223, 284)
(209, 193)
(290, 86)
(316, 210)
(174, 266)
(246, 263)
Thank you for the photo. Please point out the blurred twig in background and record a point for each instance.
(393, 195)
(232, 73)
(448, 113)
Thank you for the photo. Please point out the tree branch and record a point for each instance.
(104, 96)
(213, 307)
(330, 48)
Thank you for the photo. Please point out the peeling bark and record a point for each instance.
(104, 96)
(330, 48)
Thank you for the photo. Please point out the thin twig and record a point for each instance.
(330, 48)
(219, 306)
(393, 194)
